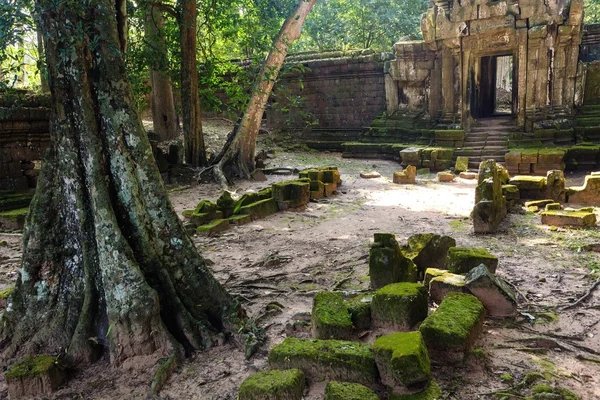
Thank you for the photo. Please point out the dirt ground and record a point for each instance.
(277, 264)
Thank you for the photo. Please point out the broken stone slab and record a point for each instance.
(450, 331)
(556, 185)
(408, 176)
(260, 209)
(445, 176)
(490, 204)
(360, 311)
(214, 227)
(252, 198)
(461, 259)
(238, 220)
(428, 250)
(530, 187)
(291, 194)
(538, 203)
(510, 192)
(226, 204)
(588, 194)
(462, 164)
(399, 306)
(468, 175)
(34, 377)
(431, 392)
(440, 286)
(496, 296)
(402, 361)
(13, 220)
(327, 360)
(330, 317)
(553, 207)
(387, 264)
(370, 175)
(273, 385)
(431, 273)
(348, 391)
(569, 218)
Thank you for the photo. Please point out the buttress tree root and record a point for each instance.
(107, 270)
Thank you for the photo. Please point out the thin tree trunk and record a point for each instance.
(121, 9)
(164, 116)
(107, 266)
(195, 153)
(239, 156)
(41, 65)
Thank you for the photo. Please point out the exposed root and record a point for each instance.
(582, 298)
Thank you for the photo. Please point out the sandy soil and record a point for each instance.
(286, 258)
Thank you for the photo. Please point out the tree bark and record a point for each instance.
(40, 63)
(239, 156)
(195, 152)
(107, 268)
(164, 116)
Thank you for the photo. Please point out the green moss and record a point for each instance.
(431, 392)
(360, 311)
(348, 391)
(506, 377)
(387, 264)
(532, 377)
(294, 193)
(454, 324)
(462, 164)
(327, 359)
(216, 226)
(566, 394)
(402, 359)
(260, 209)
(330, 317)
(478, 354)
(273, 385)
(4, 294)
(461, 260)
(399, 306)
(19, 213)
(542, 388)
(12, 201)
(250, 198)
(240, 219)
(30, 367)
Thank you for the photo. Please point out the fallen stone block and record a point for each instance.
(440, 286)
(327, 360)
(530, 187)
(241, 219)
(445, 176)
(330, 317)
(431, 392)
(214, 227)
(496, 296)
(226, 204)
(411, 156)
(317, 190)
(13, 220)
(34, 377)
(291, 194)
(273, 385)
(510, 192)
(553, 207)
(399, 306)
(431, 273)
(348, 391)
(329, 189)
(588, 194)
(387, 264)
(462, 164)
(569, 218)
(450, 331)
(461, 259)
(360, 311)
(468, 175)
(490, 204)
(251, 198)
(408, 176)
(370, 175)
(260, 209)
(402, 361)
(428, 250)
(538, 203)
(556, 185)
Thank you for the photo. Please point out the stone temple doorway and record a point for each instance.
(497, 88)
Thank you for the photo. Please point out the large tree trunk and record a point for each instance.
(238, 158)
(107, 267)
(195, 153)
(164, 116)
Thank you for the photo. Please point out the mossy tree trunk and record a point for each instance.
(107, 268)
(238, 157)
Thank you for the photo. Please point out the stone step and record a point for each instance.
(474, 144)
(501, 143)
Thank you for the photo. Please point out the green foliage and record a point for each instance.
(592, 11)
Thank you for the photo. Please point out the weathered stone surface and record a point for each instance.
(569, 218)
(360, 311)
(330, 317)
(462, 164)
(431, 392)
(468, 175)
(408, 176)
(555, 185)
(411, 156)
(241, 219)
(291, 194)
(273, 385)
(370, 175)
(440, 286)
(260, 209)
(402, 360)
(497, 297)
(226, 204)
(449, 332)
(445, 176)
(428, 250)
(348, 391)
(213, 228)
(588, 194)
(399, 306)
(431, 273)
(490, 204)
(553, 207)
(510, 192)
(461, 259)
(530, 187)
(538, 203)
(34, 377)
(13, 220)
(387, 264)
(324, 360)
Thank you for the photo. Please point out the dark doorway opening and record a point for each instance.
(496, 86)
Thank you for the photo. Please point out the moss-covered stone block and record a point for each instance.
(34, 377)
(428, 250)
(406, 177)
(450, 331)
(440, 286)
(510, 192)
(251, 198)
(462, 164)
(291, 194)
(348, 391)
(496, 296)
(329, 189)
(317, 190)
(213, 228)
(445, 176)
(399, 306)
(360, 311)
(580, 219)
(12, 201)
(273, 385)
(13, 220)
(325, 360)
(431, 392)
(260, 209)
(226, 204)
(461, 259)
(240, 219)
(387, 264)
(553, 207)
(330, 317)
(402, 360)
(431, 273)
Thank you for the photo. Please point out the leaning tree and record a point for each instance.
(108, 269)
